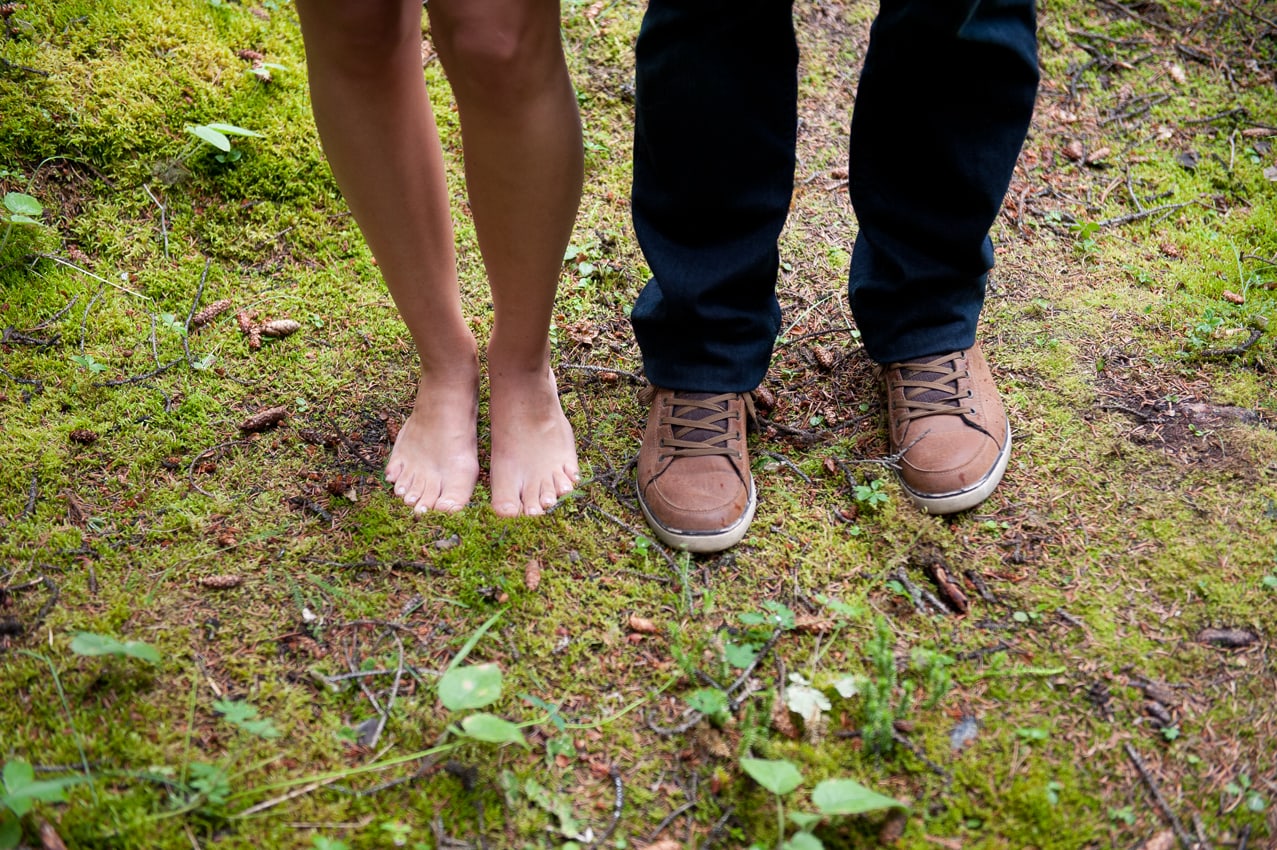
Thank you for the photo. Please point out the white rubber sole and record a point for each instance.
(961, 500)
(703, 542)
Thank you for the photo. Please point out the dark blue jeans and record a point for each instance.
(943, 106)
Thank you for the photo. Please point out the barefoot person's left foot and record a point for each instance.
(533, 448)
(948, 426)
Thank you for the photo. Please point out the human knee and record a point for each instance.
(499, 61)
(361, 37)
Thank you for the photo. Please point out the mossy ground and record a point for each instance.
(1140, 507)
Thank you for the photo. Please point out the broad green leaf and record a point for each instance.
(778, 776)
(88, 643)
(493, 729)
(805, 820)
(803, 841)
(208, 134)
(740, 655)
(232, 130)
(17, 774)
(22, 219)
(470, 686)
(10, 831)
(22, 789)
(849, 797)
(22, 204)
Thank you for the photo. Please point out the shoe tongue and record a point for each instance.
(928, 395)
(682, 411)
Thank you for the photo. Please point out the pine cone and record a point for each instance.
(221, 582)
(250, 56)
(263, 419)
(83, 436)
(245, 319)
(280, 327)
(254, 338)
(211, 312)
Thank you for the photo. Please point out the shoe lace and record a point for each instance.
(931, 387)
(704, 424)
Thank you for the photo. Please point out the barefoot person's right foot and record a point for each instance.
(694, 484)
(434, 464)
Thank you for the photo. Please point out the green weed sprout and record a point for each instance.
(831, 798)
(218, 135)
(20, 791)
(19, 209)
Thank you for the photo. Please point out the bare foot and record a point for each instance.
(533, 449)
(434, 464)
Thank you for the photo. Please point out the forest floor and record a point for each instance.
(219, 628)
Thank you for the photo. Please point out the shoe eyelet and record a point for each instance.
(970, 393)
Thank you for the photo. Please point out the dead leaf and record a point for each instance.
(263, 419)
(1177, 74)
(1270, 174)
(1164, 840)
(49, 838)
(1188, 159)
(782, 722)
(893, 827)
(642, 625)
(665, 844)
(765, 397)
(813, 625)
(532, 574)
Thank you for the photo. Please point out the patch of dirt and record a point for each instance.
(1173, 415)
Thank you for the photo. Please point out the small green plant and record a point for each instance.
(20, 209)
(1201, 334)
(87, 362)
(19, 793)
(218, 136)
(1252, 799)
(1126, 815)
(831, 798)
(869, 495)
(1085, 232)
(880, 711)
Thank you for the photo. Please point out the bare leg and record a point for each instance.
(370, 104)
(524, 170)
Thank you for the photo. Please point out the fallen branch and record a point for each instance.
(1158, 799)
(1235, 351)
(618, 803)
(1145, 213)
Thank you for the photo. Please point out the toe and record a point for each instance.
(403, 485)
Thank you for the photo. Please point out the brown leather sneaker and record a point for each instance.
(949, 429)
(694, 483)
